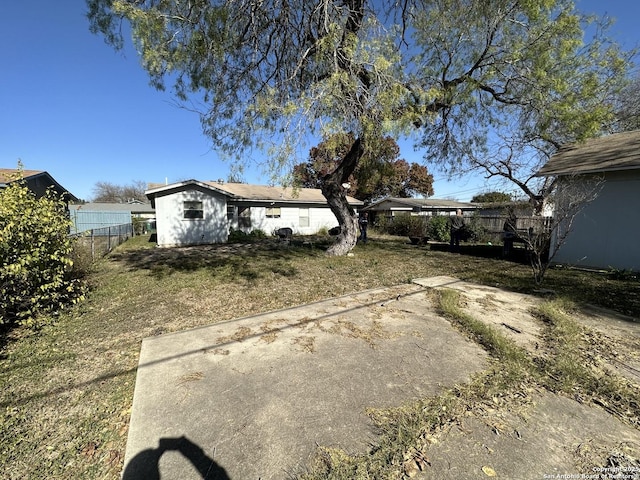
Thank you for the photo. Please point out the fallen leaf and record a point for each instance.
(411, 469)
(488, 471)
(90, 449)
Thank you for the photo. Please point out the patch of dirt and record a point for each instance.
(554, 437)
(541, 434)
(508, 312)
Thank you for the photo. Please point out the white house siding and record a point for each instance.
(173, 229)
(605, 233)
(290, 216)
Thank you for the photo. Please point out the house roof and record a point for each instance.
(255, 193)
(419, 203)
(114, 207)
(37, 180)
(620, 151)
(8, 175)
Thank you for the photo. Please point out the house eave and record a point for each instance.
(577, 171)
(151, 194)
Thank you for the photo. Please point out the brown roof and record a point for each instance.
(8, 175)
(271, 193)
(620, 151)
(422, 203)
(258, 193)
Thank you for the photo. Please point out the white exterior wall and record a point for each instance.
(319, 217)
(174, 229)
(605, 233)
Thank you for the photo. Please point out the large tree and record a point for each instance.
(378, 173)
(492, 85)
(492, 197)
(114, 193)
(628, 107)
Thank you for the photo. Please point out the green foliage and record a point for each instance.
(488, 86)
(138, 225)
(238, 236)
(473, 231)
(35, 251)
(492, 197)
(257, 234)
(439, 228)
(406, 226)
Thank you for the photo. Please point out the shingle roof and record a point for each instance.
(257, 193)
(8, 175)
(37, 180)
(114, 207)
(422, 203)
(271, 193)
(620, 151)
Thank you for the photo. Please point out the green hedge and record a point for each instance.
(36, 270)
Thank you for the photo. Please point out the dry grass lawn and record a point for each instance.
(67, 389)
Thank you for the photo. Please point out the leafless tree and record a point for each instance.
(112, 193)
(545, 235)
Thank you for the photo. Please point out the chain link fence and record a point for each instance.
(97, 242)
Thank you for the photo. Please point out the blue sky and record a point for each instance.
(71, 105)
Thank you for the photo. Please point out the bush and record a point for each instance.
(407, 226)
(257, 234)
(238, 236)
(438, 228)
(35, 252)
(473, 231)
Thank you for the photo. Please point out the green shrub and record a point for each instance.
(238, 236)
(139, 225)
(36, 270)
(473, 231)
(438, 229)
(407, 226)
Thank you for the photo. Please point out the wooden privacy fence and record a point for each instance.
(494, 225)
(100, 241)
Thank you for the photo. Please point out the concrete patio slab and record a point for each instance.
(252, 398)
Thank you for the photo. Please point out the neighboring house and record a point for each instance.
(91, 216)
(390, 207)
(606, 232)
(194, 212)
(37, 181)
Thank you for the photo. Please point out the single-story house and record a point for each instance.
(91, 216)
(390, 207)
(605, 233)
(194, 212)
(37, 181)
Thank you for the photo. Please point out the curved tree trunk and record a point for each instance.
(336, 198)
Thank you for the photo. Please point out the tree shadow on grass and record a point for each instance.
(247, 260)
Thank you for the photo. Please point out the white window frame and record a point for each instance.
(303, 217)
(192, 210)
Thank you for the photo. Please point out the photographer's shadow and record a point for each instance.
(146, 464)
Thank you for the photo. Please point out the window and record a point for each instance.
(231, 212)
(273, 212)
(193, 209)
(304, 217)
(244, 217)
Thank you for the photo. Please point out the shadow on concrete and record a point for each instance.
(146, 464)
